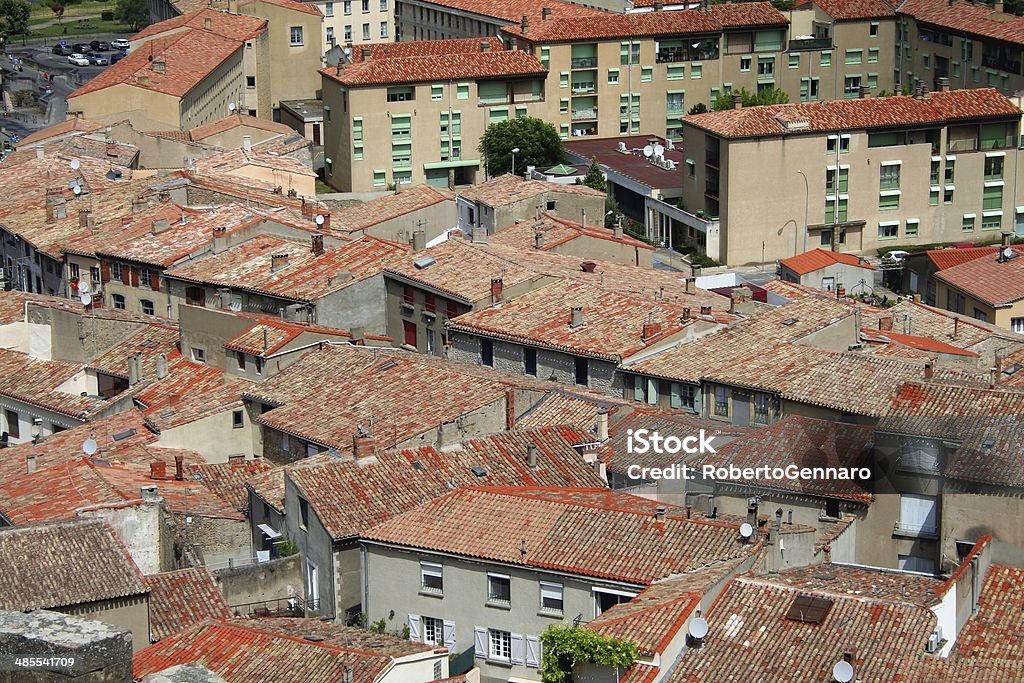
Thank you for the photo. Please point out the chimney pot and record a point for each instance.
(39, 152)
(545, 13)
(531, 456)
(929, 370)
(318, 245)
(944, 84)
(419, 240)
(179, 467)
(30, 463)
(705, 310)
(485, 46)
(601, 425)
(497, 289)
(737, 101)
(524, 25)
(83, 218)
(237, 460)
(659, 513)
(247, 143)
(576, 317)
(278, 261)
(691, 285)
(158, 470)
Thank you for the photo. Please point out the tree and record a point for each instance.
(699, 108)
(58, 11)
(768, 96)
(135, 13)
(594, 177)
(14, 15)
(537, 141)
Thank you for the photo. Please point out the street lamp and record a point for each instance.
(807, 199)
(515, 151)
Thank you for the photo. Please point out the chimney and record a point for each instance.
(278, 261)
(944, 84)
(659, 513)
(363, 445)
(651, 329)
(159, 66)
(997, 6)
(138, 204)
(237, 460)
(90, 222)
(691, 285)
(419, 240)
(601, 425)
(39, 152)
(686, 313)
(358, 335)
(179, 467)
(588, 266)
(929, 370)
(752, 505)
(134, 369)
(142, 79)
(160, 225)
(485, 46)
(705, 310)
(247, 144)
(366, 54)
(576, 317)
(737, 101)
(30, 463)
(885, 323)
(1007, 240)
(538, 240)
(524, 25)
(149, 494)
(617, 231)
(545, 13)
(318, 245)
(497, 289)
(158, 470)
(220, 239)
(83, 218)
(161, 366)
(741, 301)
(207, 23)
(531, 456)
(479, 235)
(919, 92)
(658, 6)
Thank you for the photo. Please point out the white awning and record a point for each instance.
(268, 531)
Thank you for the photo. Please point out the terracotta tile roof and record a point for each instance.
(350, 498)
(744, 14)
(991, 633)
(834, 115)
(227, 25)
(447, 67)
(294, 5)
(615, 326)
(249, 650)
(461, 270)
(227, 479)
(267, 336)
(556, 232)
(12, 304)
(75, 124)
(232, 160)
(238, 121)
(509, 189)
(38, 383)
(367, 214)
(758, 333)
(181, 599)
(947, 258)
(804, 442)
(928, 321)
(915, 342)
(974, 19)
(425, 48)
(570, 530)
(336, 635)
(189, 57)
(190, 392)
(987, 280)
(749, 622)
(665, 421)
(306, 277)
(654, 617)
(854, 10)
(816, 259)
(62, 564)
(559, 407)
(515, 10)
(938, 400)
(149, 342)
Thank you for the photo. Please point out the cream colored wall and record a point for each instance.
(356, 20)
(134, 295)
(997, 316)
(293, 68)
(146, 109)
(213, 437)
(209, 99)
(304, 184)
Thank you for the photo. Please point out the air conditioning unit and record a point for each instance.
(670, 164)
(933, 644)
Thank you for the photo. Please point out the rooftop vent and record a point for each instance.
(121, 436)
(809, 609)
(425, 262)
(479, 471)
(790, 321)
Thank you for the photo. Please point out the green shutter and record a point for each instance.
(652, 391)
(698, 395)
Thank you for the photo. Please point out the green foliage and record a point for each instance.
(699, 108)
(286, 548)
(566, 646)
(594, 178)
(135, 13)
(611, 210)
(378, 626)
(768, 96)
(537, 141)
(1014, 7)
(703, 261)
(14, 16)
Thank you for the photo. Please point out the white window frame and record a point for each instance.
(490, 594)
(432, 569)
(498, 640)
(555, 591)
(291, 36)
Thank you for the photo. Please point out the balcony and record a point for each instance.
(584, 114)
(584, 62)
(1001, 63)
(914, 531)
(584, 89)
(971, 145)
(686, 54)
(806, 44)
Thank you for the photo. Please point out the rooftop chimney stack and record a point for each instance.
(179, 467)
(39, 152)
(944, 84)
(479, 235)
(158, 470)
(601, 425)
(318, 245)
(737, 101)
(691, 285)
(885, 323)
(538, 240)
(545, 13)
(617, 231)
(367, 54)
(358, 335)
(864, 92)
(159, 65)
(531, 456)
(160, 226)
(752, 505)
(525, 24)
(686, 313)
(90, 222)
(485, 46)
(247, 144)
(161, 366)
(1007, 239)
(658, 6)
(207, 23)
(659, 513)
(134, 369)
(929, 370)
(363, 445)
(278, 261)
(998, 6)
(149, 494)
(497, 289)
(705, 310)
(30, 464)
(419, 240)
(576, 317)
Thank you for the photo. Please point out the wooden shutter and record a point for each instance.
(133, 275)
(449, 633)
(518, 649)
(414, 628)
(126, 277)
(202, 296)
(480, 642)
(104, 271)
(532, 651)
(698, 394)
(154, 280)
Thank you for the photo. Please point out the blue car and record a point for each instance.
(116, 57)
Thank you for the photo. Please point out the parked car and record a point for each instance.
(78, 59)
(100, 45)
(98, 60)
(116, 57)
(119, 44)
(80, 48)
(62, 50)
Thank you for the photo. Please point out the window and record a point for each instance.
(146, 306)
(854, 56)
(873, 29)
(675, 72)
(888, 231)
(888, 200)
(545, 56)
(383, 29)
(950, 173)
(992, 221)
(563, 105)
(13, 428)
(499, 645)
(994, 168)
(366, 31)
(765, 68)
(992, 198)
(563, 79)
(94, 274)
(831, 215)
(431, 578)
(873, 55)
(581, 371)
(462, 91)
(969, 222)
(250, 81)
(613, 76)
(348, 32)
(1017, 325)
(629, 53)
(329, 9)
(303, 513)
(646, 74)
(745, 63)
(379, 178)
(144, 277)
(918, 514)
(240, 359)
(116, 272)
(487, 352)
(826, 58)
(762, 407)
(794, 60)
(198, 354)
(809, 89)
(409, 333)
(383, 5)
(683, 396)
(433, 630)
(551, 595)
(366, 6)
(912, 227)
(296, 35)
(842, 141)
(851, 86)
(947, 196)
(889, 177)
(237, 419)
(721, 401)
(118, 301)
(830, 180)
(348, 6)
(499, 589)
(529, 361)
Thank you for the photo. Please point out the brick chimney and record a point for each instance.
(485, 46)
(363, 445)
(237, 460)
(278, 261)
(317, 245)
(83, 218)
(524, 25)
(158, 470)
(929, 370)
(885, 323)
(545, 13)
(705, 310)
(651, 329)
(179, 467)
(497, 289)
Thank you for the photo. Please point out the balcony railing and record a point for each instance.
(915, 530)
(584, 114)
(685, 55)
(1001, 63)
(803, 44)
(584, 62)
(583, 89)
(1008, 142)
(675, 109)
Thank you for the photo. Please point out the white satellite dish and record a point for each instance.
(90, 447)
(77, 189)
(648, 150)
(346, 51)
(746, 531)
(1008, 252)
(319, 219)
(231, 106)
(698, 628)
(659, 150)
(843, 672)
(75, 164)
(83, 287)
(86, 299)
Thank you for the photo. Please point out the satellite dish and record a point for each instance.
(648, 150)
(83, 287)
(319, 219)
(699, 628)
(659, 150)
(843, 672)
(90, 447)
(231, 106)
(86, 299)
(746, 531)
(77, 189)
(1008, 252)
(75, 164)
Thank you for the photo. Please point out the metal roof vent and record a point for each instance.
(790, 321)
(479, 471)
(425, 262)
(121, 436)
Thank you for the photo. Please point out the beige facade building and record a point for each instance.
(355, 22)
(879, 172)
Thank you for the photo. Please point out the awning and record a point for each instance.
(268, 531)
(450, 164)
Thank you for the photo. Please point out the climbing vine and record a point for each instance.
(567, 646)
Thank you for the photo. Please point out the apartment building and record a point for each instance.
(861, 174)
(354, 22)
(428, 104)
(973, 44)
(441, 19)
